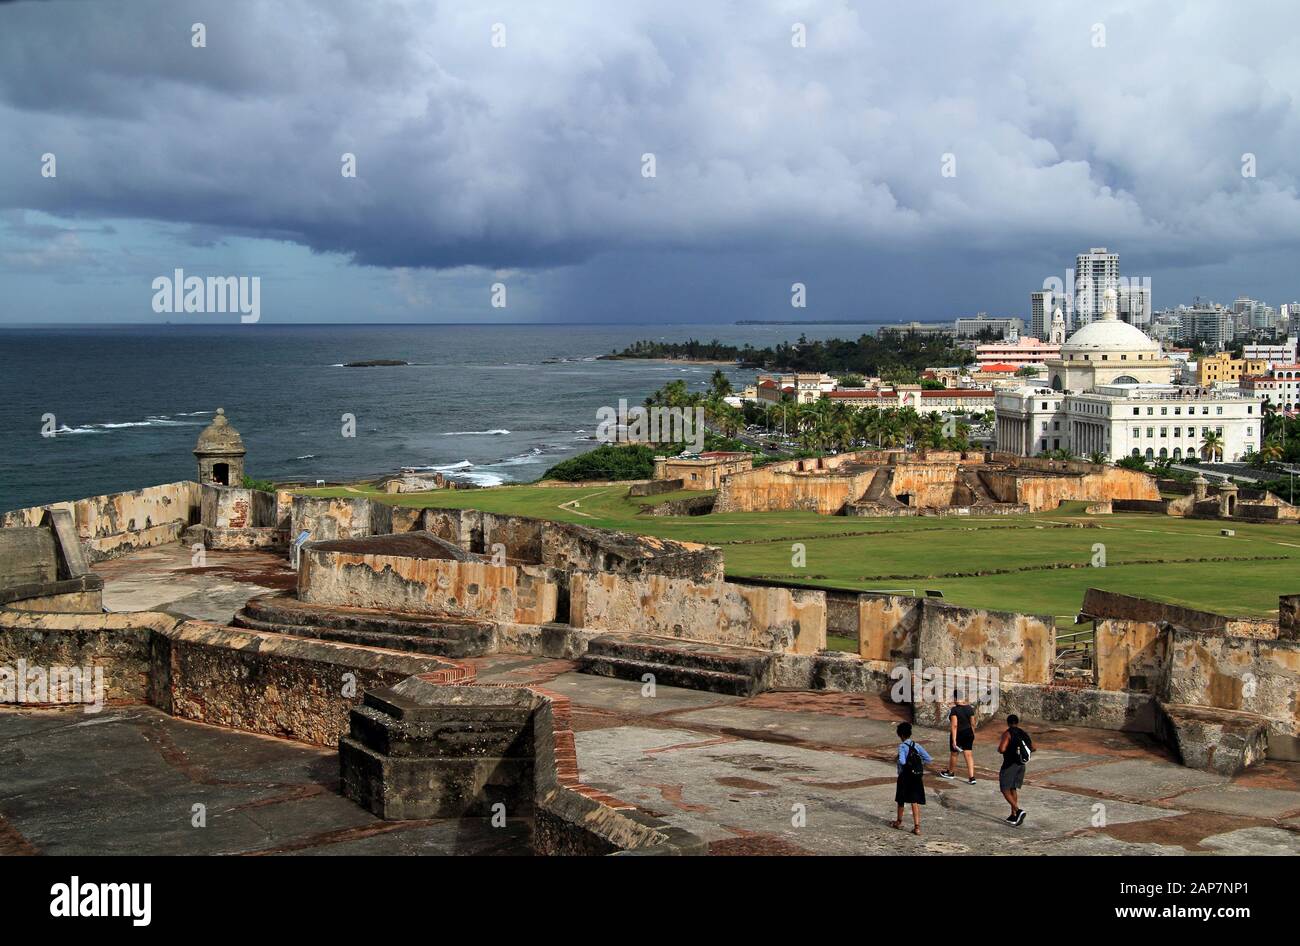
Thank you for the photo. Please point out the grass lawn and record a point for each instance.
(1154, 556)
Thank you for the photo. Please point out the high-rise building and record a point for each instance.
(1252, 316)
(1135, 304)
(1206, 322)
(1094, 273)
(1040, 312)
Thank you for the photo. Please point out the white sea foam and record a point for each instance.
(476, 433)
(156, 420)
(532, 456)
(483, 479)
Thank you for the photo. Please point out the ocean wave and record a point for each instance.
(482, 479)
(532, 456)
(464, 471)
(154, 420)
(307, 456)
(444, 468)
(476, 433)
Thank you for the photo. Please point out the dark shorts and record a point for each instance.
(965, 741)
(910, 790)
(1012, 776)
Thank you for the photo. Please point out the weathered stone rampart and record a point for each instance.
(117, 523)
(269, 683)
(339, 517)
(411, 573)
(1111, 604)
(1238, 673)
(775, 487)
(1130, 655)
(717, 612)
(1040, 491)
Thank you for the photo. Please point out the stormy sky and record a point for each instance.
(505, 142)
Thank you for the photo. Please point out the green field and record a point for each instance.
(1155, 556)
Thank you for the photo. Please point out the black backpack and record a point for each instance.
(1023, 752)
(914, 764)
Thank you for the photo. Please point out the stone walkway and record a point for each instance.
(166, 579)
(741, 771)
(127, 780)
(782, 772)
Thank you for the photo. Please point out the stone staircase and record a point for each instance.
(979, 492)
(880, 489)
(718, 668)
(878, 498)
(437, 635)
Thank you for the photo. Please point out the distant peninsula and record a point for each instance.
(376, 363)
(869, 355)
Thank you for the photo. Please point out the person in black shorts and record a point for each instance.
(1012, 775)
(961, 737)
(911, 787)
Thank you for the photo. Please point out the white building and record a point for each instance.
(1273, 352)
(1154, 421)
(1095, 272)
(1208, 323)
(945, 401)
(1135, 304)
(802, 388)
(1108, 351)
(1003, 327)
(1111, 394)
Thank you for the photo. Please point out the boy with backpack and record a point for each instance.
(1016, 748)
(912, 759)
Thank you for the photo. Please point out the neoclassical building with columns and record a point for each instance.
(1111, 394)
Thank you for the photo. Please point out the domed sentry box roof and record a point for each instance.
(220, 452)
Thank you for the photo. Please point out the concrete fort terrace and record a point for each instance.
(439, 680)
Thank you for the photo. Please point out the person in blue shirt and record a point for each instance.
(911, 786)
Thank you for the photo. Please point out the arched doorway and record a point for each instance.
(221, 474)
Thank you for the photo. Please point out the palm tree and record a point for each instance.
(728, 418)
(719, 385)
(1211, 446)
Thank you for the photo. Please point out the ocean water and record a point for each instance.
(485, 404)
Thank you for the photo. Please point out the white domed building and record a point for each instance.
(1108, 351)
(1112, 396)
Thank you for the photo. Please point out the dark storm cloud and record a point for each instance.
(530, 156)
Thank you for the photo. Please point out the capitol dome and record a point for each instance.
(1108, 334)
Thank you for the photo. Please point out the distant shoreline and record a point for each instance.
(673, 361)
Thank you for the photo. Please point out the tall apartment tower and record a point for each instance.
(1135, 305)
(1094, 273)
(1040, 308)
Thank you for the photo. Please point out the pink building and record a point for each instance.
(1021, 352)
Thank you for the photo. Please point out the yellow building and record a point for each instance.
(1224, 369)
